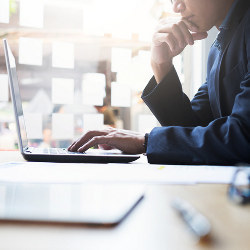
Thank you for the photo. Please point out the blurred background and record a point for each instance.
(82, 64)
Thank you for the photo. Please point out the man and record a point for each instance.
(214, 128)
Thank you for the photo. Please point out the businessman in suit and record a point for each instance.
(213, 128)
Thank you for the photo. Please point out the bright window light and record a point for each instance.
(146, 123)
(31, 13)
(33, 123)
(197, 66)
(4, 93)
(137, 73)
(62, 126)
(62, 91)
(4, 11)
(120, 59)
(63, 55)
(177, 61)
(120, 95)
(128, 15)
(99, 18)
(93, 121)
(34, 106)
(30, 51)
(93, 89)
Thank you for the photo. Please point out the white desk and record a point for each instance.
(153, 225)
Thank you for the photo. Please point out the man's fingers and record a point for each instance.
(199, 35)
(171, 42)
(165, 24)
(105, 147)
(85, 138)
(126, 141)
(159, 38)
(179, 35)
(72, 145)
(168, 38)
(186, 33)
(77, 143)
(92, 142)
(174, 35)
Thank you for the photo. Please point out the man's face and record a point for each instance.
(202, 15)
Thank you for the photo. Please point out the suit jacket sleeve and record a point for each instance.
(172, 107)
(189, 133)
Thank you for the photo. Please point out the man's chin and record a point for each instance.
(197, 29)
(193, 27)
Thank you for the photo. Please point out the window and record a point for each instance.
(81, 65)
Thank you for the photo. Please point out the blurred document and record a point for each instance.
(31, 13)
(199, 173)
(62, 91)
(30, 51)
(60, 197)
(120, 95)
(3, 193)
(62, 126)
(4, 93)
(93, 122)
(88, 173)
(63, 55)
(4, 11)
(36, 172)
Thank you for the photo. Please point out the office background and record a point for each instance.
(82, 64)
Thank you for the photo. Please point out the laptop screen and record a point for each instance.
(16, 98)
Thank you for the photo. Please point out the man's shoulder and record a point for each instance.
(245, 13)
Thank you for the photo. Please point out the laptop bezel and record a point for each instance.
(8, 66)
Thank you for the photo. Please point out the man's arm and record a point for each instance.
(224, 141)
(172, 107)
(163, 94)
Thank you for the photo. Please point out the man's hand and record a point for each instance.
(127, 141)
(169, 40)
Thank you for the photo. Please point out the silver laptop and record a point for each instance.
(51, 154)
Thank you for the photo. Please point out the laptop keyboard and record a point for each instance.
(53, 151)
(60, 151)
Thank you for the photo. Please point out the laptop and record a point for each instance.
(51, 154)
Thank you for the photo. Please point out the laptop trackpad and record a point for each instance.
(97, 204)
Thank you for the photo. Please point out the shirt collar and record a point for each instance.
(235, 13)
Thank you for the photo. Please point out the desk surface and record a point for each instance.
(153, 225)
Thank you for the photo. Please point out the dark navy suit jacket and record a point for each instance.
(213, 128)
